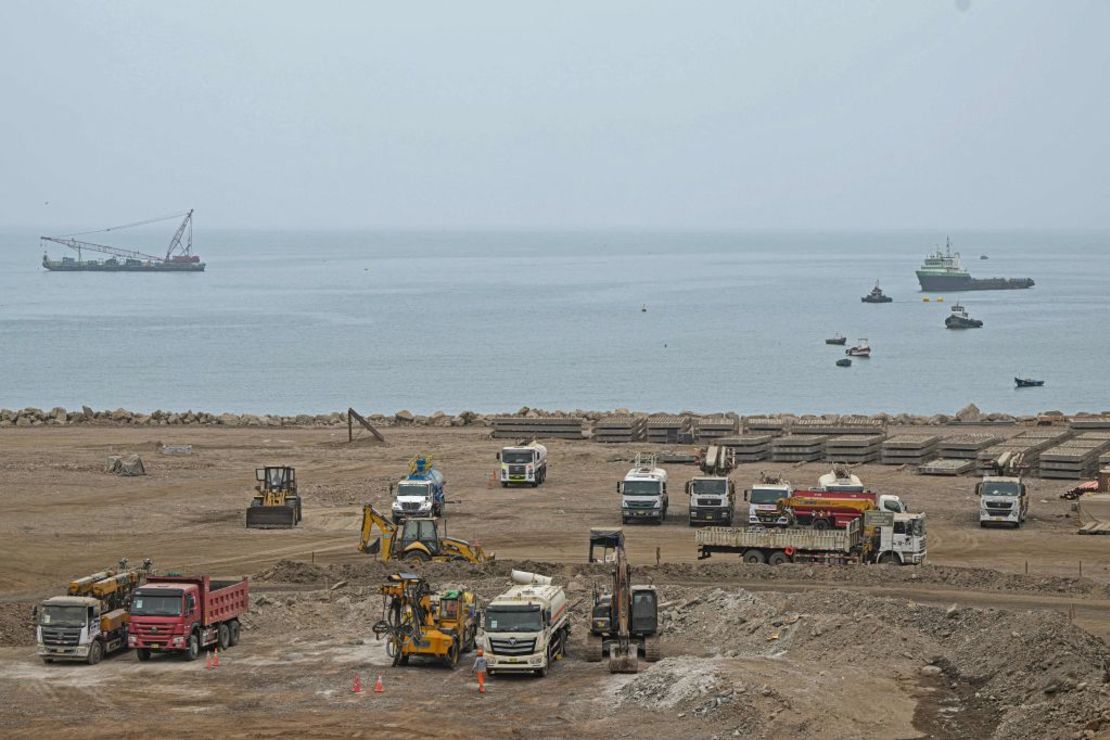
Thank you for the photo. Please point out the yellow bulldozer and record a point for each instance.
(416, 540)
(276, 504)
(418, 621)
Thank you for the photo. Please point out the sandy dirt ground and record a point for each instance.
(856, 651)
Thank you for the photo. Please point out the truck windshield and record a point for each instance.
(1001, 488)
(157, 605)
(642, 488)
(62, 616)
(513, 619)
(412, 489)
(712, 487)
(917, 527)
(516, 456)
(766, 496)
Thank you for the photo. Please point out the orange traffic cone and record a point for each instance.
(357, 686)
(208, 661)
(378, 688)
(216, 659)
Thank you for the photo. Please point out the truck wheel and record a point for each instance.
(193, 648)
(778, 557)
(888, 558)
(453, 654)
(233, 629)
(223, 636)
(754, 557)
(504, 484)
(96, 652)
(143, 654)
(541, 672)
(820, 524)
(417, 556)
(48, 661)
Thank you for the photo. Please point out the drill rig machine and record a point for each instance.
(421, 622)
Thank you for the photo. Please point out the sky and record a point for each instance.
(624, 114)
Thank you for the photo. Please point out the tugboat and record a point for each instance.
(876, 295)
(1028, 383)
(863, 349)
(837, 339)
(959, 319)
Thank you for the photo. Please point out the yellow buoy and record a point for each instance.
(925, 299)
(940, 299)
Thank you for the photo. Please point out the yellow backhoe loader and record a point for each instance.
(276, 504)
(418, 621)
(417, 540)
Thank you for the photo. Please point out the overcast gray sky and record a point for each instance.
(886, 114)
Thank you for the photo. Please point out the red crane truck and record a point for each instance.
(183, 614)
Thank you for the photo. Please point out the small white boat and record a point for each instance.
(862, 349)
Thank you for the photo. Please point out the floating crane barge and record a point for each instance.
(179, 256)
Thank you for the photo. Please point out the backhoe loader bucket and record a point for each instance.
(285, 516)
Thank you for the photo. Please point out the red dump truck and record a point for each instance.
(183, 614)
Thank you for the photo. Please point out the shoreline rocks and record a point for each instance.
(59, 416)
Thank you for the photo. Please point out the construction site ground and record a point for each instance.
(998, 635)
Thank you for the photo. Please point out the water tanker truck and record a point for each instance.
(525, 464)
(526, 629)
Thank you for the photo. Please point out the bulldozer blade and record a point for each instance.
(624, 664)
(271, 517)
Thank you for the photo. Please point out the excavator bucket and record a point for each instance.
(623, 663)
(285, 516)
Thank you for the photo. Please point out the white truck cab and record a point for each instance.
(900, 537)
(526, 464)
(644, 492)
(1002, 500)
(73, 628)
(763, 502)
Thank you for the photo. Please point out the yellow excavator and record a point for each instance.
(416, 540)
(418, 621)
(276, 503)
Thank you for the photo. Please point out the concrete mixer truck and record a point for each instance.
(526, 629)
(420, 494)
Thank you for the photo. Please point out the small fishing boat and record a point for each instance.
(959, 319)
(863, 349)
(845, 362)
(1028, 383)
(837, 339)
(876, 295)
(984, 257)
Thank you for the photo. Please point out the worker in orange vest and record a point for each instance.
(480, 669)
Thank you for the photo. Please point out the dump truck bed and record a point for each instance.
(800, 539)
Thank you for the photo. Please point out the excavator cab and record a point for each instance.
(645, 611)
(276, 503)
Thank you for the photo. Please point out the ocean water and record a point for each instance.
(290, 322)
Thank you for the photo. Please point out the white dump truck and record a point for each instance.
(880, 537)
(644, 492)
(526, 464)
(712, 500)
(525, 629)
(1002, 500)
(763, 500)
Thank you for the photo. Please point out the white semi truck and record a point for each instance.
(712, 500)
(525, 629)
(525, 464)
(644, 492)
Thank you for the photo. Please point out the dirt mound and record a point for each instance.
(17, 627)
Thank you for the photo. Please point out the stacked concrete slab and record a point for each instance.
(1077, 458)
(1091, 422)
(853, 449)
(765, 425)
(620, 429)
(669, 429)
(965, 446)
(1030, 444)
(711, 428)
(947, 466)
(798, 448)
(520, 427)
(909, 449)
(748, 448)
(841, 426)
